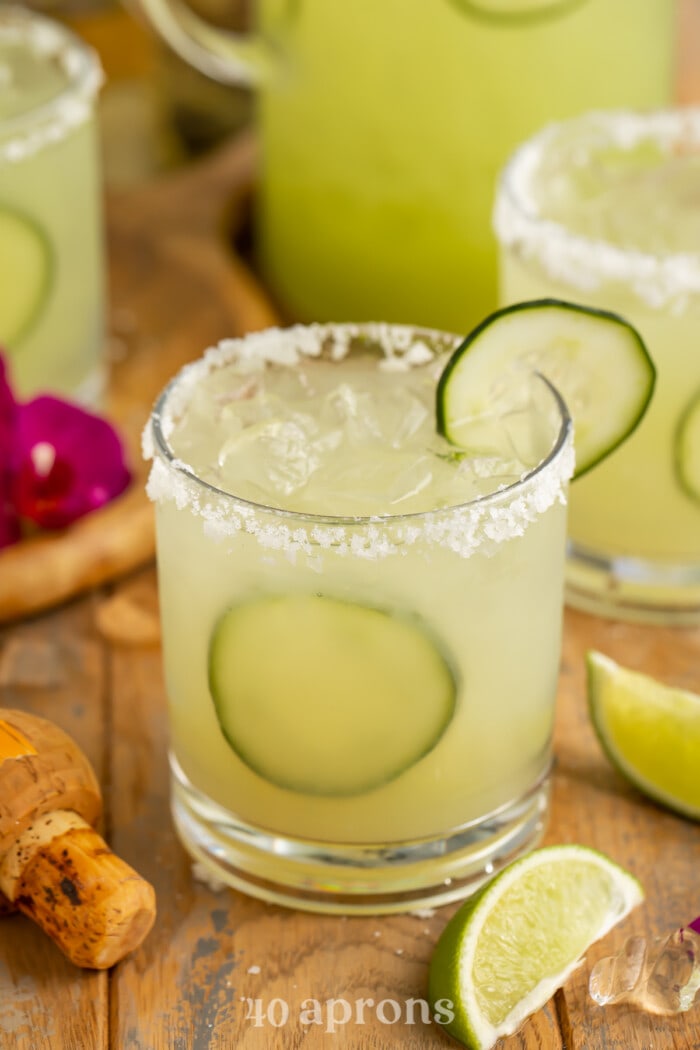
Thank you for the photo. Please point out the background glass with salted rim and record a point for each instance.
(50, 184)
(634, 528)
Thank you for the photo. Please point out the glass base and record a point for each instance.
(357, 879)
(633, 589)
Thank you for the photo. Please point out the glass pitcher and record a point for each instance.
(383, 124)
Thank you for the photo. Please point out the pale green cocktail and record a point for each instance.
(605, 210)
(385, 122)
(361, 623)
(51, 259)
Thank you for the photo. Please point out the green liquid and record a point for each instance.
(388, 123)
(49, 186)
(475, 610)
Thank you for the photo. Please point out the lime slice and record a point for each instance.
(325, 697)
(25, 275)
(508, 949)
(597, 361)
(688, 448)
(516, 10)
(649, 731)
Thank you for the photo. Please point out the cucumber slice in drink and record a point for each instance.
(596, 359)
(688, 448)
(516, 10)
(25, 275)
(324, 697)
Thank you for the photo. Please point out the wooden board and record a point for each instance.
(187, 988)
(174, 227)
(213, 957)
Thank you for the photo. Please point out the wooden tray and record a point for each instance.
(175, 227)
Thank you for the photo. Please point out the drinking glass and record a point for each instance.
(361, 626)
(51, 250)
(604, 209)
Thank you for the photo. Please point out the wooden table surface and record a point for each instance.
(219, 970)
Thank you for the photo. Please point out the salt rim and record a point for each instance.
(582, 262)
(482, 524)
(28, 133)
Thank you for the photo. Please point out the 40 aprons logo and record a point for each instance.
(332, 1014)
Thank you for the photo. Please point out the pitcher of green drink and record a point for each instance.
(383, 124)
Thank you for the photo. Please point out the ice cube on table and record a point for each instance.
(662, 977)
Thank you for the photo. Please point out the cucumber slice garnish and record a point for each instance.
(25, 275)
(326, 697)
(596, 359)
(516, 10)
(688, 448)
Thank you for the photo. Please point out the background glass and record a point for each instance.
(604, 210)
(51, 250)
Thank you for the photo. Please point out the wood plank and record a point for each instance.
(195, 982)
(185, 988)
(53, 667)
(594, 805)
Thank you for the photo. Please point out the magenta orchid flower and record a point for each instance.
(67, 463)
(58, 462)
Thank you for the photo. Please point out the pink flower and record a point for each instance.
(57, 462)
(66, 463)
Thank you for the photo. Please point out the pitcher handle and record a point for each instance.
(231, 58)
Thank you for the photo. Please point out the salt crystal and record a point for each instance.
(203, 874)
(481, 524)
(73, 106)
(582, 262)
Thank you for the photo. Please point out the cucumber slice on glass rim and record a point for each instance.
(595, 358)
(325, 697)
(516, 10)
(25, 274)
(688, 448)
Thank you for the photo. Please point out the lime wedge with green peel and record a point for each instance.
(516, 10)
(508, 949)
(25, 275)
(325, 697)
(688, 449)
(649, 731)
(596, 360)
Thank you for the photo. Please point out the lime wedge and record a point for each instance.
(596, 360)
(25, 274)
(326, 697)
(688, 448)
(649, 731)
(508, 949)
(516, 10)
